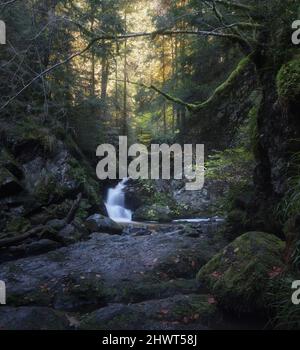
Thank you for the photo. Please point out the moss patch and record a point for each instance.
(288, 80)
(239, 276)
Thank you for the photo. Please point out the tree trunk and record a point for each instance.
(124, 121)
(164, 82)
(104, 82)
(278, 132)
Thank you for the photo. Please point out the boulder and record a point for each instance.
(109, 269)
(241, 275)
(180, 311)
(100, 223)
(153, 212)
(71, 234)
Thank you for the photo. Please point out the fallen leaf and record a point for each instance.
(216, 274)
(164, 311)
(211, 300)
(185, 320)
(276, 271)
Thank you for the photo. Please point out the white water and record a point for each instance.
(115, 203)
(196, 220)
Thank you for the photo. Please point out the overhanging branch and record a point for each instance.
(100, 38)
(219, 91)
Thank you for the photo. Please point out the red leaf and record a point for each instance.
(164, 311)
(216, 274)
(276, 271)
(211, 300)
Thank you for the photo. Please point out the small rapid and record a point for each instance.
(115, 203)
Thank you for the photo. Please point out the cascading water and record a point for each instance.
(115, 203)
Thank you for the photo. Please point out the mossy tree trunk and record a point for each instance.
(278, 126)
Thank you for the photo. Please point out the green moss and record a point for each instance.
(153, 289)
(240, 275)
(47, 188)
(90, 186)
(288, 80)
(226, 87)
(125, 320)
(197, 305)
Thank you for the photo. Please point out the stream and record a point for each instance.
(141, 278)
(115, 206)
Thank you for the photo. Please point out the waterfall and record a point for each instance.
(115, 203)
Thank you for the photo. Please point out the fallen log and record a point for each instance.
(6, 242)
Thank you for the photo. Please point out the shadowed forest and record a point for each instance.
(77, 252)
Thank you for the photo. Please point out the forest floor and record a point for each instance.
(141, 279)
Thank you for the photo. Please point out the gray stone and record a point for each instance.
(32, 318)
(106, 268)
(100, 223)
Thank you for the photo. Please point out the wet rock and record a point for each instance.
(200, 202)
(153, 212)
(41, 246)
(32, 318)
(41, 175)
(100, 223)
(137, 230)
(241, 275)
(107, 268)
(69, 234)
(181, 311)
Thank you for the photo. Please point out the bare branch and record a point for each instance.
(234, 5)
(8, 2)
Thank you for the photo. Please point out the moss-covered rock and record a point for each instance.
(182, 310)
(153, 212)
(288, 80)
(153, 200)
(239, 276)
